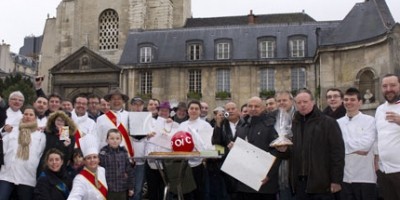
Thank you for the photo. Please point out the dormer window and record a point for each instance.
(297, 47)
(223, 49)
(267, 47)
(146, 55)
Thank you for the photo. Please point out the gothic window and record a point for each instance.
(195, 81)
(146, 54)
(267, 47)
(223, 80)
(146, 82)
(223, 49)
(298, 78)
(108, 30)
(267, 79)
(297, 46)
(194, 51)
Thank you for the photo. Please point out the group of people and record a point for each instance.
(82, 149)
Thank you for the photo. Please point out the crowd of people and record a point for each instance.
(82, 149)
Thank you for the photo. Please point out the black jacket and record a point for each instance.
(338, 113)
(223, 135)
(260, 132)
(46, 186)
(320, 149)
(3, 117)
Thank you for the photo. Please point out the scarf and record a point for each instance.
(24, 139)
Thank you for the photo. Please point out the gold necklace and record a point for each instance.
(170, 128)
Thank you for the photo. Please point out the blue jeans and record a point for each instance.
(23, 192)
(140, 176)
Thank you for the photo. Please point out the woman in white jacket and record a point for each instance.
(90, 183)
(23, 147)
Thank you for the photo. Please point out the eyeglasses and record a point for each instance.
(333, 96)
(81, 103)
(15, 99)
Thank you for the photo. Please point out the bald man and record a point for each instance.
(259, 131)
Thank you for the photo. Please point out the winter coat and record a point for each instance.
(52, 185)
(260, 132)
(323, 151)
(53, 140)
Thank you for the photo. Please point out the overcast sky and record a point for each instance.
(21, 18)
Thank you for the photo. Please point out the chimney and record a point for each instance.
(251, 18)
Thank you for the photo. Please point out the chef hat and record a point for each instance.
(89, 145)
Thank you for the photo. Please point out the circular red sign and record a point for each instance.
(182, 141)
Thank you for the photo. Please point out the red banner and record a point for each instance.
(77, 136)
(92, 179)
(124, 133)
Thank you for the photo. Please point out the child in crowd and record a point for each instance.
(119, 170)
(76, 163)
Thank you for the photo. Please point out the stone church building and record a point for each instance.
(153, 48)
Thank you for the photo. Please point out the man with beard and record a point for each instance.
(285, 103)
(93, 108)
(41, 105)
(388, 126)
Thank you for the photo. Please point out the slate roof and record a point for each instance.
(365, 21)
(24, 60)
(286, 18)
(171, 44)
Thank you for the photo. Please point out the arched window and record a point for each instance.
(367, 86)
(108, 30)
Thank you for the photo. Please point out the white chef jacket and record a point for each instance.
(194, 127)
(13, 119)
(359, 134)
(388, 139)
(82, 189)
(16, 170)
(84, 123)
(103, 124)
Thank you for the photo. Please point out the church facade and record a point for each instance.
(87, 37)
(154, 49)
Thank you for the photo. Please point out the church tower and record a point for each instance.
(102, 26)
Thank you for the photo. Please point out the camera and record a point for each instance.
(226, 114)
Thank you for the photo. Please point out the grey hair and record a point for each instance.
(16, 93)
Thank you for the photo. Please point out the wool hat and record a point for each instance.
(180, 105)
(137, 99)
(116, 91)
(165, 104)
(89, 145)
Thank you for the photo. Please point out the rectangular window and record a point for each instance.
(145, 55)
(267, 49)
(223, 80)
(297, 48)
(267, 79)
(146, 82)
(194, 51)
(223, 51)
(298, 78)
(195, 81)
